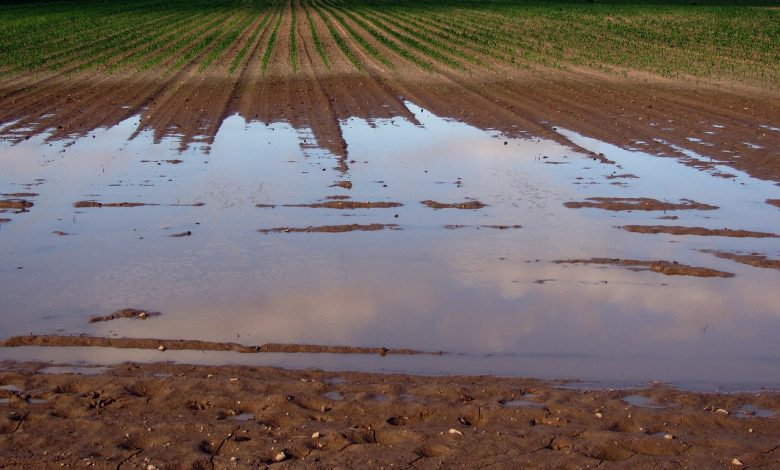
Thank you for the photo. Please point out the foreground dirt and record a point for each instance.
(183, 417)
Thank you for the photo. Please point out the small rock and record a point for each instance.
(737, 462)
(721, 411)
(162, 348)
(599, 415)
(455, 431)
(750, 430)
(233, 459)
(280, 457)
(316, 435)
(668, 436)
(151, 467)
(142, 315)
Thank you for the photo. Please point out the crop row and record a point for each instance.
(66, 36)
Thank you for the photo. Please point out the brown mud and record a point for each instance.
(701, 231)
(125, 313)
(529, 103)
(333, 228)
(193, 345)
(456, 205)
(85, 204)
(669, 268)
(757, 260)
(15, 204)
(194, 417)
(637, 204)
(497, 227)
(347, 205)
(774, 202)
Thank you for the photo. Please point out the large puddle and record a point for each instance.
(276, 244)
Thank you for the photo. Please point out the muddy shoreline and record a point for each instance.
(179, 416)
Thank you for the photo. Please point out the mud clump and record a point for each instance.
(267, 206)
(125, 313)
(757, 260)
(638, 204)
(669, 268)
(332, 228)
(457, 205)
(621, 176)
(17, 204)
(701, 231)
(348, 205)
(3, 221)
(188, 233)
(342, 184)
(19, 195)
(773, 202)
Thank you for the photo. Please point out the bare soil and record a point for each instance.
(701, 231)
(455, 205)
(193, 417)
(757, 260)
(125, 313)
(669, 268)
(638, 204)
(333, 228)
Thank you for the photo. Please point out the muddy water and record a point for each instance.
(450, 279)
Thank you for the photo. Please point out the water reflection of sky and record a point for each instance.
(468, 290)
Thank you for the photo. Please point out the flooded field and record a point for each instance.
(517, 256)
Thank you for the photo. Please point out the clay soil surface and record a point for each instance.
(176, 416)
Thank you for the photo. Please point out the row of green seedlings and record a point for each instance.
(89, 51)
(30, 38)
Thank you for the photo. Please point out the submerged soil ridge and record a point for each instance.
(669, 268)
(180, 416)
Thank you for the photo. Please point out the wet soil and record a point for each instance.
(193, 345)
(125, 313)
(757, 260)
(333, 228)
(701, 231)
(497, 227)
(669, 268)
(348, 205)
(178, 416)
(85, 204)
(15, 204)
(774, 202)
(637, 204)
(455, 205)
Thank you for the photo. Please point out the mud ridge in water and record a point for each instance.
(705, 232)
(497, 227)
(757, 260)
(669, 268)
(15, 204)
(125, 313)
(195, 345)
(774, 202)
(85, 204)
(19, 195)
(637, 204)
(333, 228)
(456, 205)
(3, 221)
(348, 205)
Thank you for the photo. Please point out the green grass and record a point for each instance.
(737, 40)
